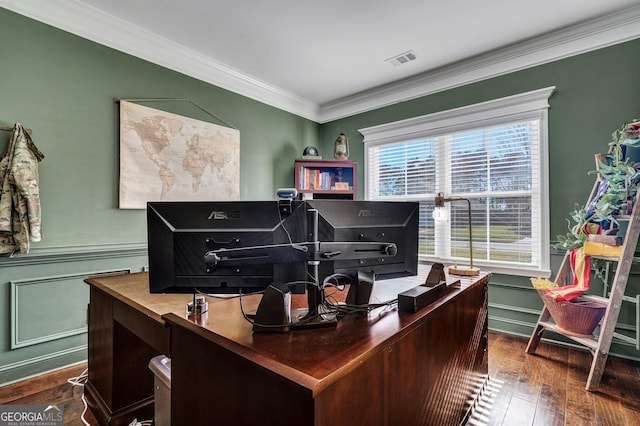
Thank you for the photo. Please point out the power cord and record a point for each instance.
(80, 381)
(227, 296)
(135, 422)
(306, 319)
(330, 308)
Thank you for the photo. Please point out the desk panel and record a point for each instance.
(384, 369)
(125, 331)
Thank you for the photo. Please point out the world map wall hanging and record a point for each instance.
(168, 157)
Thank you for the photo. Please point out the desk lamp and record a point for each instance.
(440, 214)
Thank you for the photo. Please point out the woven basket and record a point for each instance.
(577, 318)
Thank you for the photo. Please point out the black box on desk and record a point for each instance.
(419, 297)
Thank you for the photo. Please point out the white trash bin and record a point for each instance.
(161, 367)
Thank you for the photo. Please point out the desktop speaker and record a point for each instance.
(274, 311)
(420, 297)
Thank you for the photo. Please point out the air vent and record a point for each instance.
(403, 58)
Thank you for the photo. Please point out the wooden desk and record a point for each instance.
(388, 368)
(125, 331)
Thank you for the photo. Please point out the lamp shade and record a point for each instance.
(440, 214)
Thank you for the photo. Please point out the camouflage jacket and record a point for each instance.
(19, 193)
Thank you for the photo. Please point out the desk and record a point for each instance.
(387, 368)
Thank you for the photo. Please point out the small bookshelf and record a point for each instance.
(326, 179)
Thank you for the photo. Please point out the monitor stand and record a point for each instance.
(313, 317)
(274, 313)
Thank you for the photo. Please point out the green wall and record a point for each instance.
(595, 94)
(65, 88)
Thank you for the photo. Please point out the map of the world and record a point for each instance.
(168, 157)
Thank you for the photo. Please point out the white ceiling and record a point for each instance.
(326, 59)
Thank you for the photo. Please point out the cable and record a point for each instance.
(346, 309)
(327, 282)
(135, 422)
(227, 296)
(86, 406)
(306, 319)
(329, 308)
(284, 228)
(80, 381)
(286, 231)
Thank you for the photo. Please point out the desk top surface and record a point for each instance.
(315, 354)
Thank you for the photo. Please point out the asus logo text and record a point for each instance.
(222, 215)
(368, 213)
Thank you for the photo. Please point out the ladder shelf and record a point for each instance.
(599, 345)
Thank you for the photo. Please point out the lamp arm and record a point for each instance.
(447, 200)
(439, 202)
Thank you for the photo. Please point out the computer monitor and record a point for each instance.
(243, 246)
(180, 234)
(369, 221)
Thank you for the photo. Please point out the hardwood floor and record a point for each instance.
(52, 389)
(548, 388)
(545, 389)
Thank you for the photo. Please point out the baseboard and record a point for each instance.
(33, 367)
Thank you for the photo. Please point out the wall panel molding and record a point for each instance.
(27, 306)
(38, 256)
(76, 352)
(519, 309)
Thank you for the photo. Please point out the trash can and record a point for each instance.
(161, 367)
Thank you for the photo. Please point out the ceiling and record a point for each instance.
(327, 59)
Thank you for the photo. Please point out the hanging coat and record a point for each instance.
(20, 214)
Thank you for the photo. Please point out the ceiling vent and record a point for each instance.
(403, 58)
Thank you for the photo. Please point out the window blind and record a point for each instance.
(499, 167)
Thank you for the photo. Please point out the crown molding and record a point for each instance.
(93, 24)
(522, 105)
(591, 35)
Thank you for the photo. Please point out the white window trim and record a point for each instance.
(521, 107)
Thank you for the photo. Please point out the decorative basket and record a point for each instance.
(576, 318)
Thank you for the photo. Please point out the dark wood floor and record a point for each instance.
(544, 389)
(548, 388)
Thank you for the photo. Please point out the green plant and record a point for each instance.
(576, 236)
(627, 135)
(620, 173)
(618, 188)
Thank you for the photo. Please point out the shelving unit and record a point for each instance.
(635, 300)
(326, 179)
(600, 344)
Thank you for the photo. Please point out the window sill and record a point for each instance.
(521, 271)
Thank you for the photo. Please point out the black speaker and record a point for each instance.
(421, 296)
(274, 311)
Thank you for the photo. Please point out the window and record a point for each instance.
(493, 154)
